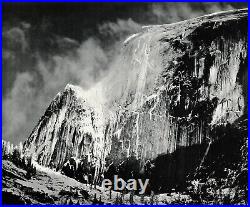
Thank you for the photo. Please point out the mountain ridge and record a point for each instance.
(172, 84)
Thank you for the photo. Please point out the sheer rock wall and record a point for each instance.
(172, 85)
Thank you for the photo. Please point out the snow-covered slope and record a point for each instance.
(170, 88)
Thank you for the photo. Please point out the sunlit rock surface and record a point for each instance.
(170, 87)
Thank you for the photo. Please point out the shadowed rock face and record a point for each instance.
(170, 87)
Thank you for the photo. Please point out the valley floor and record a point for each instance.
(50, 187)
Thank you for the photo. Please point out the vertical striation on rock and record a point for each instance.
(171, 86)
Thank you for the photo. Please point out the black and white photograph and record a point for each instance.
(125, 103)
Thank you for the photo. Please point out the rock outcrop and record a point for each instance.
(171, 87)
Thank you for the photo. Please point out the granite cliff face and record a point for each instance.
(172, 87)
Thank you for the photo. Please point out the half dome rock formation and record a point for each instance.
(167, 94)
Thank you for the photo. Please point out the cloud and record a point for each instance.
(16, 107)
(174, 12)
(15, 43)
(83, 64)
(84, 67)
(120, 28)
(16, 39)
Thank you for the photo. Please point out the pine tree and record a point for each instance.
(23, 162)
(142, 199)
(110, 194)
(3, 150)
(70, 201)
(29, 162)
(120, 199)
(131, 197)
(16, 157)
(152, 198)
(28, 174)
(95, 201)
(117, 199)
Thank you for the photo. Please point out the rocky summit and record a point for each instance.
(175, 93)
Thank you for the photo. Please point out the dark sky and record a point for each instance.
(47, 45)
(75, 19)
